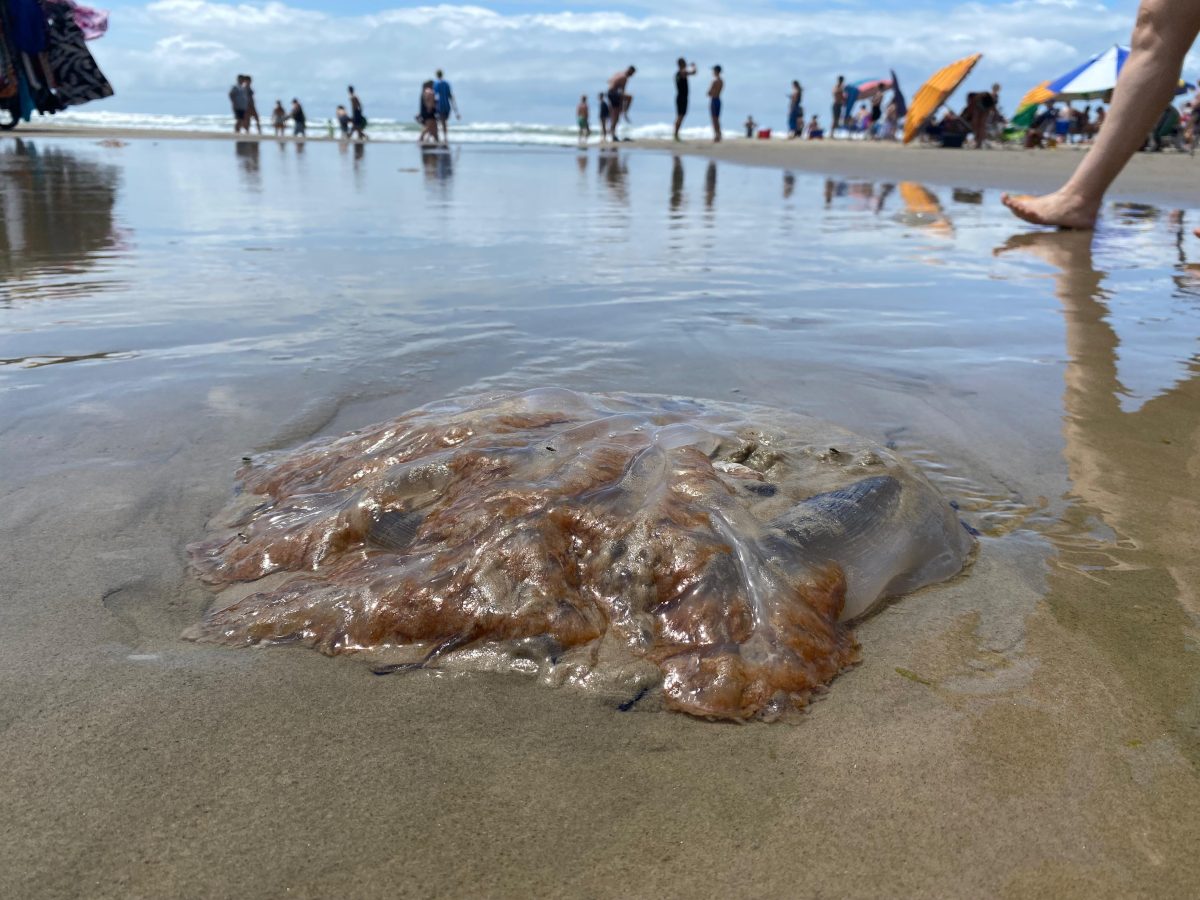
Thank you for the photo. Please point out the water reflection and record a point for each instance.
(862, 195)
(676, 188)
(710, 185)
(56, 217)
(922, 209)
(249, 163)
(437, 163)
(1135, 471)
(613, 169)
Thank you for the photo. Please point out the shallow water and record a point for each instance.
(167, 308)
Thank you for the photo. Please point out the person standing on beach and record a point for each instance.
(714, 102)
(445, 103)
(682, 73)
(876, 115)
(343, 120)
(582, 117)
(795, 117)
(616, 98)
(299, 122)
(839, 103)
(251, 109)
(358, 122)
(239, 100)
(427, 114)
(603, 112)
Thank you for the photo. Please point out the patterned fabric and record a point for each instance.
(8, 72)
(77, 78)
(92, 22)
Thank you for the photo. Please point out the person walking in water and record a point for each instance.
(239, 99)
(795, 117)
(445, 103)
(299, 122)
(582, 117)
(714, 102)
(616, 98)
(681, 91)
(358, 122)
(1162, 35)
(251, 109)
(839, 103)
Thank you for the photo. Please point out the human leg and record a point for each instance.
(1162, 35)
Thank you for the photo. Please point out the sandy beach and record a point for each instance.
(1028, 729)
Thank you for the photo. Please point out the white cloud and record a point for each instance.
(177, 55)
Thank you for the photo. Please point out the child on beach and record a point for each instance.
(278, 118)
(814, 129)
(582, 115)
(343, 120)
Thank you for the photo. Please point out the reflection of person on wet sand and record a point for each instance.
(1162, 36)
(1120, 464)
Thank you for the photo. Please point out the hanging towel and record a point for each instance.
(8, 69)
(78, 78)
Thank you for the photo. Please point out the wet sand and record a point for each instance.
(1030, 729)
(1168, 178)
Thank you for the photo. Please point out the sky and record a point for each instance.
(530, 61)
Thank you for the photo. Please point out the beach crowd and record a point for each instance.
(436, 104)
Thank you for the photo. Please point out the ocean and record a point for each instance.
(379, 129)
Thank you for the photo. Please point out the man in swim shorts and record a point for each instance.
(681, 92)
(445, 103)
(714, 102)
(616, 97)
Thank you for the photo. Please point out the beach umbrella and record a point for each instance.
(922, 208)
(864, 90)
(933, 93)
(1092, 79)
(897, 97)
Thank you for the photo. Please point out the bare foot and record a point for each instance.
(1057, 209)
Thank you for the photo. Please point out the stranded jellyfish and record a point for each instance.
(705, 556)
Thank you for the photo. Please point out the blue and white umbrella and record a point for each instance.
(1097, 77)
(1094, 78)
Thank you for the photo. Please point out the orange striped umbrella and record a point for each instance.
(1037, 96)
(934, 92)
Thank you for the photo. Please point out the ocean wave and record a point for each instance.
(379, 129)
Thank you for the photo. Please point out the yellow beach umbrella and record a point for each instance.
(922, 208)
(933, 93)
(1037, 96)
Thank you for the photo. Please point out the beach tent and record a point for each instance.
(1093, 79)
(934, 92)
